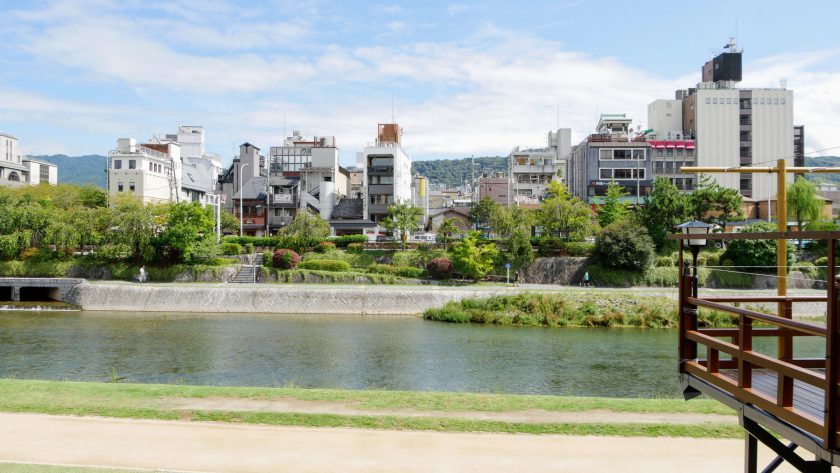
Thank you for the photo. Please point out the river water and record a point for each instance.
(332, 351)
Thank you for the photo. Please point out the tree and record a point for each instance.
(563, 214)
(759, 253)
(447, 231)
(624, 245)
(505, 221)
(613, 209)
(186, 225)
(472, 258)
(665, 208)
(803, 203)
(402, 218)
(134, 225)
(482, 212)
(228, 221)
(517, 250)
(306, 230)
(712, 202)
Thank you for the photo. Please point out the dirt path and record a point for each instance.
(528, 416)
(209, 447)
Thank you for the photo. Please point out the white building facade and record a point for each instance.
(12, 169)
(387, 172)
(40, 172)
(530, 170)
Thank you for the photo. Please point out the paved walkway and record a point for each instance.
(209, 447)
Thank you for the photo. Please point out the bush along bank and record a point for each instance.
(572, 310)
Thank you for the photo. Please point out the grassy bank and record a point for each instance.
(139, 401)
(578, 309)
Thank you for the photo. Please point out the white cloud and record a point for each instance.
(457, 8)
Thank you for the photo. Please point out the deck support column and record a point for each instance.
(832, 352)
(750, 454)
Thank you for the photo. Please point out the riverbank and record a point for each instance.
(336, 298)
(372, 409)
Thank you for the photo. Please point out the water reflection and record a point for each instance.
(354, 352)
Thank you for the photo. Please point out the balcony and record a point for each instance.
(534, 168)
(283, 200)
(378, 208)
(378, 189)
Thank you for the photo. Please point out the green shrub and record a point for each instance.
(355, 248)
(265, 242)
(230, 249)
(402, 271)
(267, 258)
(549, 245)
(249, 248)
(624, 245)
(345, 240)
(712, 259)
(350, 277)
(285, 259)
(417, 259)
(806, 268)
(217, 262)
(755, 253)
(577, 248)
(113, 252)
(325, 247)
(729, 279)
(326, 265)
(440, 268)
(663, 262)
(821, 261)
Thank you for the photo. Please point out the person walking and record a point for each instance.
(586, 279)
(142, 276)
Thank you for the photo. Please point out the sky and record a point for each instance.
(462, 78)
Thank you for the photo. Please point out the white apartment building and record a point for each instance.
(530, 170)
(168, 168)
(730, 126)
(387, 172)
(40, 172)
(12, 169)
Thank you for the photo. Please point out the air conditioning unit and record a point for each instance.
(249, 222)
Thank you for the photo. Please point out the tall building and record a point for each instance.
(12, 169)
(387, 172)
(40, 172)
(530, 170)
(612, 154)
(799, 146)
(164, 169)
(249, 163)
(305, 174)
(730, 126)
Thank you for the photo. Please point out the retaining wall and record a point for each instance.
(284, 299)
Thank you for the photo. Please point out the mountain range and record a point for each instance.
(88, 169)
(453, 172)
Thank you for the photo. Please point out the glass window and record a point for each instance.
(117, 164)
(638, 154)
(623, 173)
(606, 173)
(708, 100)
(714, 101)
(783, 100)
(755, 101)
(132, 164)
(131, 186)
(689, 153)
(119, 187)
(622, 154)
(669, 167)
(605, 154)
(776, 101)
(45, 173)
(680, 152)
(660, 152)
(670, 152)
(659, 167)
(728, 101)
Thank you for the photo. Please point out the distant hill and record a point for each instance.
(89, 169)
(823, 161)
(454, 171)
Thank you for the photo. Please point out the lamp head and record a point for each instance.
(696, 227)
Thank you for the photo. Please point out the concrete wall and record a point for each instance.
(59, 289)
(279, 299)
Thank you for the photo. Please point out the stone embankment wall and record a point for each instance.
(562, 270)
(285, 299)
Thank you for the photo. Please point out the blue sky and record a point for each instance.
(466, 77)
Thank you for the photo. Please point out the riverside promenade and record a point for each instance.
(222, 448)
(330, 298)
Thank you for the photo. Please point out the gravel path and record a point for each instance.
(222, 448)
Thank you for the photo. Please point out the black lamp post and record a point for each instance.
(700, 229)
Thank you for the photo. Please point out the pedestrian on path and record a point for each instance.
(586, 279)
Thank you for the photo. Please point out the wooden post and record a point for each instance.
(784, 393)
(832, 351)
(744, 344)
(781, 225)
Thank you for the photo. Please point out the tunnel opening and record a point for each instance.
(5, 294)
(38, 294)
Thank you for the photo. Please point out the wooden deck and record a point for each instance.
(806, 398)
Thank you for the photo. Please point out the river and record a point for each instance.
(340, 351)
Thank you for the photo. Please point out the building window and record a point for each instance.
(680, 152)
(659, 167)
(131, 186)
(689, 153)
(660, 152)
(45, 173)
(132, 164)
(776, 101)
(117, 164)
(783, 100)
(606, 173)
(13, 176)
(708, 100)
(119, 187)
(670, 152)
(714, 101)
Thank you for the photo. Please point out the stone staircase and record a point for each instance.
(247, 270)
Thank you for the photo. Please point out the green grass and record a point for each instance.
(140, 401)
(55, 396)
(578, 309)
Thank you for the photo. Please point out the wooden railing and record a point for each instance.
(800, 391)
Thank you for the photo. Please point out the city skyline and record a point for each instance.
(465, 79)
